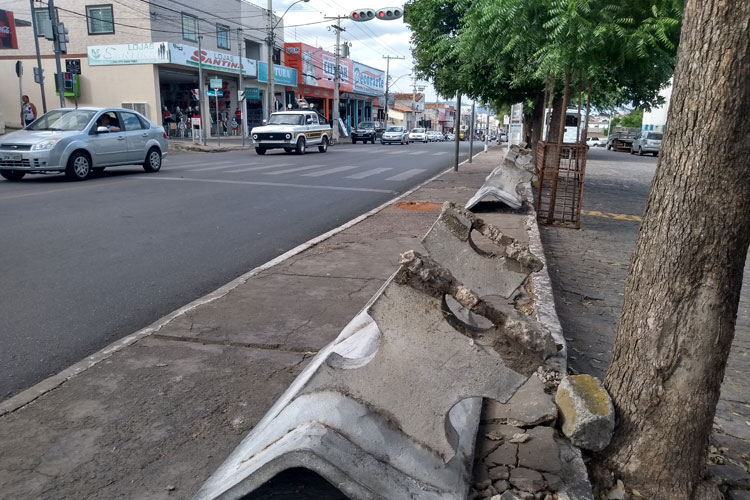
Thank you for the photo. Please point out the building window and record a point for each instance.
(100, 19)
(222, 36)
(252, 50)
(189, 27)
(42, 17)
(276, 56)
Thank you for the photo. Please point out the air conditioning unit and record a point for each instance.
(140, 107)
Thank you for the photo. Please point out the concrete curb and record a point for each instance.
(29, 395)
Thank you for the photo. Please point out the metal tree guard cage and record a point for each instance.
(561, 170)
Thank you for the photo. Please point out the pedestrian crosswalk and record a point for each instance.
(346, 173)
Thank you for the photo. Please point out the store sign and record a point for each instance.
(281, 75)
(185, 55)
(252, 93)
(214, 93)
(329, 68)
(368, 80)
(317, 67)
(216, 83)
(131, 53)
(8, 38)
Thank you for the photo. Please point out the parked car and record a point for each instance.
(502, 137)
(395, 134)
(417, 134)
(367, 131)
(293, 131)
(646, 142)
(79, 141)
(596, 142)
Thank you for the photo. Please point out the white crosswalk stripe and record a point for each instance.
(407, 175)
(329, 171)
(214, 167)
(414, 153)
(368, 173)
(441, 152)
(292, 170)
(254, 169)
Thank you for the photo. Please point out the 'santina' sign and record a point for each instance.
(218, 59)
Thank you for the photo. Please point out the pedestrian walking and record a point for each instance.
(28, 111)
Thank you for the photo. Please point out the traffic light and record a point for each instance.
(61, 38)
(68, 82)
(390, 13)
(362, 15)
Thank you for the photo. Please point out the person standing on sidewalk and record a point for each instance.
(28, 111)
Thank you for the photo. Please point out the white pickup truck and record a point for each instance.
(292, 131)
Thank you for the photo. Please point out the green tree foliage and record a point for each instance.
(502, 50)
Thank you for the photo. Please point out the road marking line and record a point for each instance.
(253, 169)
(608, 215)
(329, 171)
(415, 153)
(292, 170)
(439, 153)
(368, 173)
(274, 184)
(394, 153)
(406, 175)
(221, 167)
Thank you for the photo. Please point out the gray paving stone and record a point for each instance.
(499, 472)
(506, 454)
(738, 495)
(541, 452)
(530, 405)
(527, 480)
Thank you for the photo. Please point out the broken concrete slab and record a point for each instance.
(351, 407)
(505, 454)
(502, 183)
(586, 412)
(540, 452)
(529, 406)
(449, 242)
(575, 477)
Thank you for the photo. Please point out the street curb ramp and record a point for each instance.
(391, 408)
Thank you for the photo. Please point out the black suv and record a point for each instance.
(367, 131)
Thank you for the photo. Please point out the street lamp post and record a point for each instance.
(271, 43)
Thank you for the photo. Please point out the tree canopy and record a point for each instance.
(503, 50)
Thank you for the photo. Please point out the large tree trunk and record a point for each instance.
(537, 120)
(682, 292)
(558, 113)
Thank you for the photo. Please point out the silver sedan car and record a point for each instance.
(81, 141)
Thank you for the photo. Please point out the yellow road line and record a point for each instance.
(607, 215)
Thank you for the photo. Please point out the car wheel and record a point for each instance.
(79, 166)
(323, 145)
(656, 154)
(12, 175)
(631, 151)
(301, 146)
(153, 160)
(260, 151)
(640, 151)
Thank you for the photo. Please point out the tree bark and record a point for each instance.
(558, 113)
(537, 120)
(683, 287)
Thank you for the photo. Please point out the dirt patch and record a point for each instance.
(418, 206)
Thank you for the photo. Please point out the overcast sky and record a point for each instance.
(370, 40)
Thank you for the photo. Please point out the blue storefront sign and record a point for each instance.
(281, 75)
(213, 93)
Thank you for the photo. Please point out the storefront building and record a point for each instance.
(361, 87)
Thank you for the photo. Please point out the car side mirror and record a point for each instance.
(102, 130)
(309, 121)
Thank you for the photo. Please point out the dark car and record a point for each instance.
(367, 131)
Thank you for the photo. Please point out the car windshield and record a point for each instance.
(395, 129)
(366, 125)
(417, 131)
(654, 136)
(63, 119)
(286, 120)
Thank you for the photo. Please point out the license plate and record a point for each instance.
(12, 157)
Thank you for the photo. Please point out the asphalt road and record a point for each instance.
(84, 264)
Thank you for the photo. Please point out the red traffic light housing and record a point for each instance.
(390, 13)
(362, 15)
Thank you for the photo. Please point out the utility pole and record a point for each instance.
(59, 76)
(414, 101)
(200, 90)
(240, 86)
(457, 126)
(38, 57)
(487, 132)
(271, 43)
(337, 76)
(387, 82)
(471, 133)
